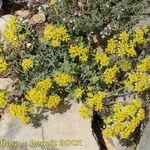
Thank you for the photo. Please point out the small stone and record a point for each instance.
(144, 141)
(37, 18)
(23, 13)
(114, 144)
(6, 83)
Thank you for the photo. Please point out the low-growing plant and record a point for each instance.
(53, 65)
(102, 17)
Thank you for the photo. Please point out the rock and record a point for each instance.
(3, 21)
(23, 13)
(60, 127)
(109, 143)
(145, 139)
(114, 144)
(37, 18)
(6, 83)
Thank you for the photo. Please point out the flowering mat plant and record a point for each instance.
(53, 66)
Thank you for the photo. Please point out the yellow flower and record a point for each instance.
(79, 51)
(124, 119)
(10, 33)
(85, 112)
(78, 93)
(55, 43)
(63, 79)
(102, 59)
(117, 108)
(139, 80)
(125, 65)
(110, 74)
(37, 97)
(124, 37)
(56, 35)
(107, 120)
(48, 30)
(139, 36)
(3, 65)
(53, 101)
(111, 46)
(141, 114)
(137, 103)
(2, 99)
(144, 65)
(95, 101)
(107, 132)
(44, 84)
(118, 127)
(20, 111)
(130, 110)
(27, 64)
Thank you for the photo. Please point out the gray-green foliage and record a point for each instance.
(99, 16)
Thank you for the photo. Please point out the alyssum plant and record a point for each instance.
(54, 65)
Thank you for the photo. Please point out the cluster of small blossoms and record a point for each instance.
(27, 64)
(79, 51)
(85, 112)
(56, 35)
(63, 79)
(140, 81)
(110, 75)
(53, 101)
(124, 119)
(3, 65)
(39, 96)
(20, 111)
(126, 43)
(2, 99)
(95, 101)
(144, 65)
(78, 93)
(102, 59)
(10, 33)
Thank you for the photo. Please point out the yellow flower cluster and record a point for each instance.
(38, 94)
(95, 101)
(139, 35)
(140, 81)
(110, 74)
(27, 64)
(124, 119)
(102, 59)
(126, 44)
(78, 93)
(2, 99)
(125, 65)
(20, 111)
(125, 47)
(57, 35)
(144, 65)
(63, 79)
(85, 112)
(10, 33)
(53, 101)
(79, 51)
(3, 65)
(111, 46)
